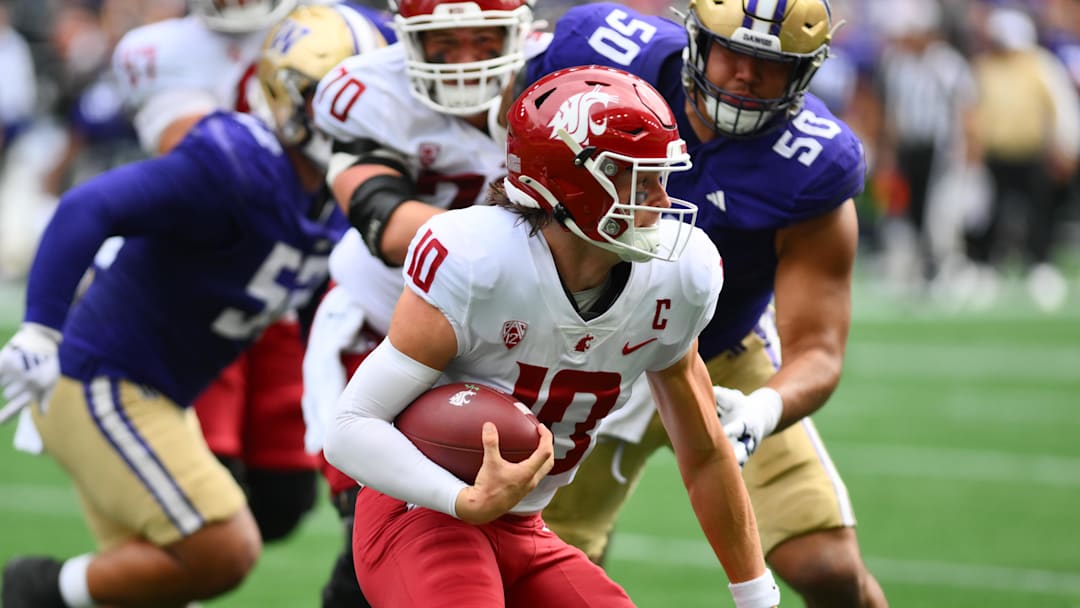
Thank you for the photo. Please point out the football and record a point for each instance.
(446, 424)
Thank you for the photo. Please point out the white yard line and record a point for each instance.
(694, 553)
(59, 502)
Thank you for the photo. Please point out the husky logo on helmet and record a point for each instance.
(296, 54)
(573, 116)
(287, 35)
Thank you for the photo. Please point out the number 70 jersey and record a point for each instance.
(518, 331)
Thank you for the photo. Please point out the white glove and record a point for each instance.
(29, 367)
(747, 419)
(760, 592)
(335, 328)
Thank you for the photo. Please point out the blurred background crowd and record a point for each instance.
(968, 110)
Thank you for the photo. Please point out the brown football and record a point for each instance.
(446, 424)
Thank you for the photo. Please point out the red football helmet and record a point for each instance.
(572, 132)
(237, 16)
(461, 88)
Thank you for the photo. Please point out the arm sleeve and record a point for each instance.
(163, 196)
(161, 110)
(364, 444)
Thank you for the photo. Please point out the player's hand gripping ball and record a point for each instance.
(446, 424)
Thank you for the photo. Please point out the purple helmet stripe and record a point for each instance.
(751, 9)
(778, 17)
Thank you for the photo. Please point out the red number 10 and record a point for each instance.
(565, 385)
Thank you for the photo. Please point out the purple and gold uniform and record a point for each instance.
(746, 190)
(220, 240)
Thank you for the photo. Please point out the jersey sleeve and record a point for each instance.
(446, 265)
(355, 101)
(159, 80)
(177, 195)
(612, 35)
(701, 277)
(840, 178)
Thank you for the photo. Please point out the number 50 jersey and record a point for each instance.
(745, 189)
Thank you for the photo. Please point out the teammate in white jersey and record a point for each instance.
(410, 124)
(173, 73)
(597, 290)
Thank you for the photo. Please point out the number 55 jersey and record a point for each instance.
(220, 239)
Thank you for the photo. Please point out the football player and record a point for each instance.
(774, 174)
(174, 72)
(410, 124)
(224, 234)
(563, 294)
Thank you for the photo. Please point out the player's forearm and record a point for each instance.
(805, 382)
(65, 251)
(364, 445)
(718, 496)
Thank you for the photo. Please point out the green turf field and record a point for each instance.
(956, 433)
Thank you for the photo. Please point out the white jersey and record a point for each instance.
(518, 331)
(452, 162)
(179, 67)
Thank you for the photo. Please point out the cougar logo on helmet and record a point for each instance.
(633, 141)
(573, 116)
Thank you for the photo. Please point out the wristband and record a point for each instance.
(760, 592)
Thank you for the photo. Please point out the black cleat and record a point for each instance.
(32, 582)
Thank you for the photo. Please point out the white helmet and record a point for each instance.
(240, 16)
(448, 87)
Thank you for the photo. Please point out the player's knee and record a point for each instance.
(236, 562)
(220, 556)
(280, 499)
(832, 577)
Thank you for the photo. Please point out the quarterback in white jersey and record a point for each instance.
(564, 294)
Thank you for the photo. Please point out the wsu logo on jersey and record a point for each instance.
(573, 116)
(584, 343)
(513, 333)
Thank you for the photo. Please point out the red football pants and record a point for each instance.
(419, 557)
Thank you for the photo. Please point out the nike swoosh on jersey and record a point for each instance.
(627, 349)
